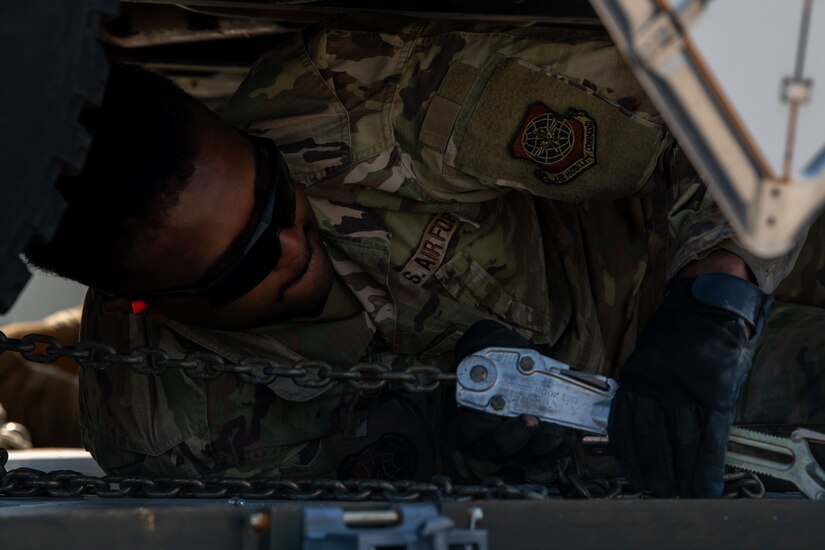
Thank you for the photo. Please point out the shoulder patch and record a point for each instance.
(563, 146)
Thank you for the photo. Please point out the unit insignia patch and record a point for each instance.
(563, 146)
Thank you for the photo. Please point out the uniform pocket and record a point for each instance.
(141, 414)
(285, 98)
(524, 127)
(148, 415)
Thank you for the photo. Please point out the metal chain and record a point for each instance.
(26, 482)
(575, 481)
(737, 485)
(205, 365)
(202, 365)
(743, 485)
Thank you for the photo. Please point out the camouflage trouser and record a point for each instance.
(786, 388)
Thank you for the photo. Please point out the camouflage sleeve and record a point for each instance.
(538, 115)
(699, 227)
(430, 115)
(171, 423)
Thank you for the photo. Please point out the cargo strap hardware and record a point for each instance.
(784, 458)
(39, 348)
(411, 526)
(516, 381)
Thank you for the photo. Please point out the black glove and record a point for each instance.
(671, 418)
(511, 442)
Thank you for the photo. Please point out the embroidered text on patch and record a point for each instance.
(563, 146)
(432, 249)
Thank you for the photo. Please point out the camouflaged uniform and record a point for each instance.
(458, 173)
(786, 387)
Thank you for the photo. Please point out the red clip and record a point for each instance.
(138, 306)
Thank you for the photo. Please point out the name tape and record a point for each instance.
(432, 249)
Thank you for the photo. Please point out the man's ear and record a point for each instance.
(125, 305)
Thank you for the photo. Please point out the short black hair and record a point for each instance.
(142, 154)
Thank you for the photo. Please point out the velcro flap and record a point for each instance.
(524, 127)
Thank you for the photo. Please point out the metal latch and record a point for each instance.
(780, 457)
(516, 381)
(407, 526)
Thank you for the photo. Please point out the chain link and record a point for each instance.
(205, 365)
(25, 482)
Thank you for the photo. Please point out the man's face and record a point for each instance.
(210, 219)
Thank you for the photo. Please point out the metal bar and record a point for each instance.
(802, 47)
(816, 164)
(100, 523)
(716, 92)
(573, 13)
(674, 524)
(793, 114)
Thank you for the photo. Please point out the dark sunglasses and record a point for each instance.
(243, 271)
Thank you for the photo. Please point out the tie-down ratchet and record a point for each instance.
(515, 381)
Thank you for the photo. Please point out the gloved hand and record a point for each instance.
(511, 442)
(671, 418)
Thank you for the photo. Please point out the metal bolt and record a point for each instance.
(498, 402)
(526, 363)
(476, 515)
(478, 373)
(259, 522)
